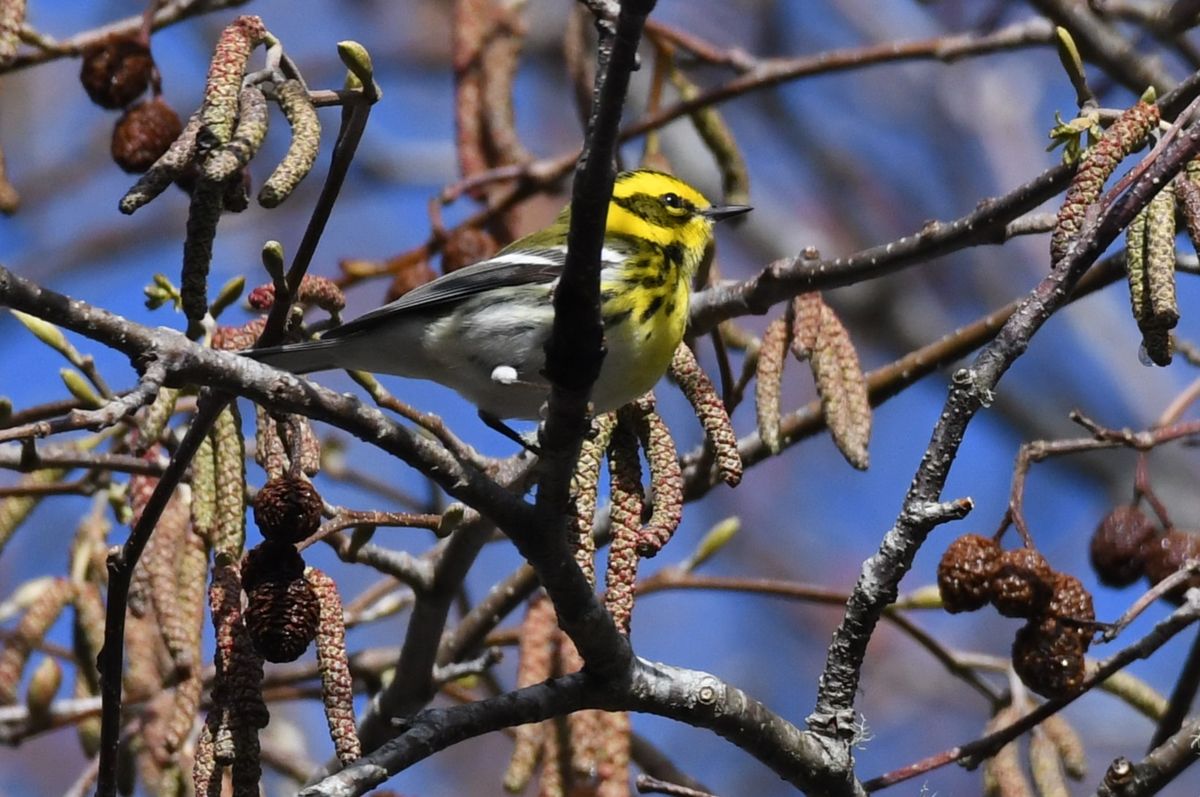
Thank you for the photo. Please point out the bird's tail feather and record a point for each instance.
(301, 358)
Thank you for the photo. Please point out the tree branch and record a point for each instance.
(971, 390)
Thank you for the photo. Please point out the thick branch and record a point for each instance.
(694, 697)
(575, 353)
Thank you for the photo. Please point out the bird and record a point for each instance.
(481, 330)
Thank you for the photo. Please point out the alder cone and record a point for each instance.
(143, 134)
(1049, 659)
(271, 562)
(466, 246)
(965, 573)
(288, 509)
(116, 71)
(1071, 605)
(1165, 554)
(281, 618)
(1116, 550)
(1023, 583)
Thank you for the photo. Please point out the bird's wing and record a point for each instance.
(503, 270)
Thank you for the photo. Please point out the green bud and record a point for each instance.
(228, 294)
(712, 542)
(80, 388)
(44, 331)
(43, 686)
(358, 61)
(272, 259)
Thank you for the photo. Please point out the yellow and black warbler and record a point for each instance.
(481, 330)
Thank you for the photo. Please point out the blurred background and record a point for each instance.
(837, 161)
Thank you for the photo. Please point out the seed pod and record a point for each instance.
(466, 245)
(281, 618)
(1071, 603)
(288, 509)
(966, 571)
(1165, 554)
(1049, 659)
(298, 161)
(116, 70)
(143, 134)
(271, 562)
(409, 273)
(1116, 550)
(1023, 583)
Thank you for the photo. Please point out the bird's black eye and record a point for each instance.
(672, 200)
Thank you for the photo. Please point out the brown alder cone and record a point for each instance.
(1116, 549)
(1165, 554)
(1048, 657)
(288, 509)
(1023, 583)
(465, 246)
(116, 70)
(143, 134)
(965, 573)
(281, 618)
(1071, 603)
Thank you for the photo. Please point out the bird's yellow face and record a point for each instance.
(657, 207)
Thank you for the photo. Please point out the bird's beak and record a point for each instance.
(719, 212)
